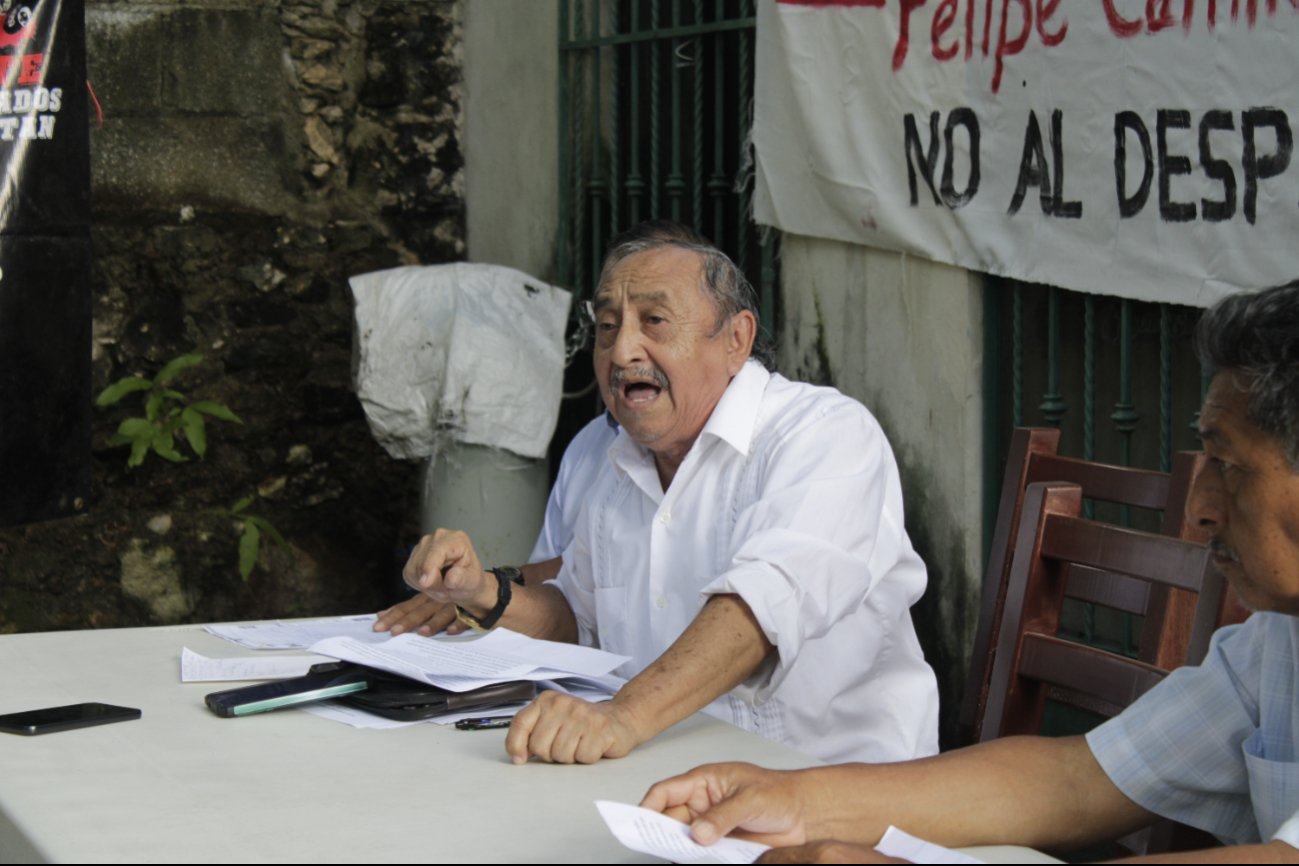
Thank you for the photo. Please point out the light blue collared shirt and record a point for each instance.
(1217, 746)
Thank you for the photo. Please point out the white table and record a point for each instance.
(182, 785)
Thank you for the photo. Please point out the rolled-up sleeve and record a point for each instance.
(824, 535)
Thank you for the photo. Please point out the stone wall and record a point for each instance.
(251, 157)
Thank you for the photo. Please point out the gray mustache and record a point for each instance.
(621, 374)
(1222, 550)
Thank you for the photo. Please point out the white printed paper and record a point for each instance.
(648, 832)
(299, 634)
(462, 665)
(198, 668)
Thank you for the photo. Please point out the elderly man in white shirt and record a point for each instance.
(744, 545)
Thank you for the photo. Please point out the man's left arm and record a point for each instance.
(720, 649)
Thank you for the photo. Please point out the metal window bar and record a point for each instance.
(655, 110)
(1145, 370)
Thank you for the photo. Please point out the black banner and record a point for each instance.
(45, 310)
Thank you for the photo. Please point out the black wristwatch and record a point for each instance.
(505, 577)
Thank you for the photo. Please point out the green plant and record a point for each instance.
(250, 539)
(167, 413)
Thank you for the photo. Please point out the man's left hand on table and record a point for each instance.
(562, 729)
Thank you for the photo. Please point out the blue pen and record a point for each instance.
(484, 723)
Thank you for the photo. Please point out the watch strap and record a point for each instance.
(506, 577)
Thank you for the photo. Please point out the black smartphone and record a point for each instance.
(324, 680)
(51, 719)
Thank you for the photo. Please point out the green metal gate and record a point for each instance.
(656, 99)
(1118, 377)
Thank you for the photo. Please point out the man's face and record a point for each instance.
(1247, 496)
(660, 358)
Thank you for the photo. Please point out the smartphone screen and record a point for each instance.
(51, 719)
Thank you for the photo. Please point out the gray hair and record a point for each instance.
(1257, 334)
(721, 280)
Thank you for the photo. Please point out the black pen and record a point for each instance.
(484, 723)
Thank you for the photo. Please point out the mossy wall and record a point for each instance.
(252, 156)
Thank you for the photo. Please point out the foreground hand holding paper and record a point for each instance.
(648, 832)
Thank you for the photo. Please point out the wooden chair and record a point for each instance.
(1166, 613)
(1056, 552)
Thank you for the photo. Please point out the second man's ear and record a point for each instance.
(740, 332)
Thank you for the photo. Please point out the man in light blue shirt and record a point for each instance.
(1212, 746)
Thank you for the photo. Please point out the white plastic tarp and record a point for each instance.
(473, 352)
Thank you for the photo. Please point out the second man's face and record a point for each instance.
(1247, 496)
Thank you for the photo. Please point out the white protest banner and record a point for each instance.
(1140, 148)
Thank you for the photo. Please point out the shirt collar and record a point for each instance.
(736, 414)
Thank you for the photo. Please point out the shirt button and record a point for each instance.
(661, 601)
(666, 518)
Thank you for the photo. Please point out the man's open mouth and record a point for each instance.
(638, 387)
(640, 392)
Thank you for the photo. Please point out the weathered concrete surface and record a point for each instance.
(512, 133)
(904, 336)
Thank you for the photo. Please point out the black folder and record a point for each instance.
(376, 691)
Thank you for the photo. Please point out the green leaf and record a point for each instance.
(216, 410)
(243, 503)
(250, 544)
(139, 448)
(173, 395)
(176, 366)
(165, 447)
(192, 424)
(265, 526)
(120, 389)
(136, 429)
(152, 405)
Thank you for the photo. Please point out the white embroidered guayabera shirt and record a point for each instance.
(790, 499)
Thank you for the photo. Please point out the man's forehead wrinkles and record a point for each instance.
(1223, 418)
(637, 296)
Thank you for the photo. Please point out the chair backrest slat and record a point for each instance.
(1122, 485)
(1116, 680)
(1108, 589)
(1154, 558)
